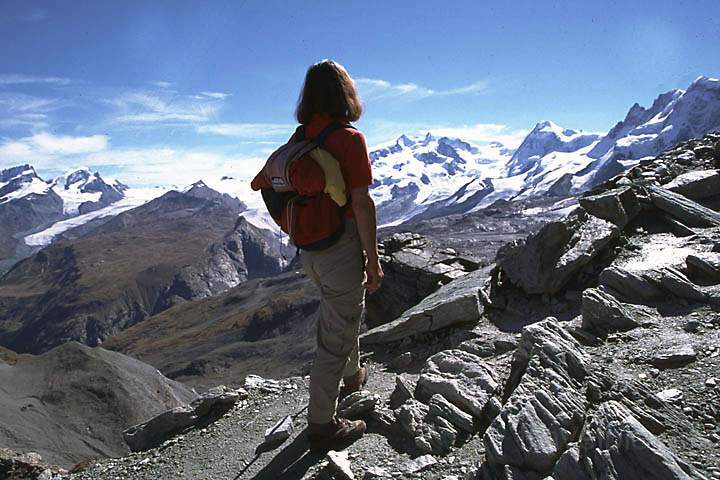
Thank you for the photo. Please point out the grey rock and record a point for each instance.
(601, 312)
(440, 407)
(281, 431)
(411, 415)
(615, 446)
(339, 463)
(618, 206)
(678, 284)
(217, 398)
(696, 184)
(687, 211)
(357, 404)
(672, 357)
(546, 261)
(418, 464)
(632, 287)
(403, 392)
(457, 302)
(171, 422)
(414, 268)
(546, 410)
(704, 266)
(375, 472)
(431, 434)
(158, 429)
(670, 395)
(461, 377)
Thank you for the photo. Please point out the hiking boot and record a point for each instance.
(354, 383)
(337, 434)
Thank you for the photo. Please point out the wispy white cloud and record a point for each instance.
(155, 107)
(218, 95)
(44, 147)
(161, 84)
(18, 79)
(380, 132)
(172, 166)
(374, 89)
(247, 130)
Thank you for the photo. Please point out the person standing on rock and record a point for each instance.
(343, 261)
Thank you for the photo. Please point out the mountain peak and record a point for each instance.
(404, 141)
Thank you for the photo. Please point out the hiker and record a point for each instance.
(335, 230)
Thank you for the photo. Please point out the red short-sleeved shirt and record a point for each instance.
(348, 147)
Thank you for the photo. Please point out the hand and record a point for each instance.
(374, 276)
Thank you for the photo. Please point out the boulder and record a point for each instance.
(458, 302)
(207, 407)
(615, 445)
(704, 266)
(461, 377)
(414, 268)
(618, 206)
(602, 313)
(687, 211)
(357, 404)
(678, 284)
(546, 410)
(697, 184)
(160, 428)
(431, 434)
(547, 260)
(632, 287)
(440, 407)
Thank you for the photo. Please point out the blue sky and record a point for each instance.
(166, 91)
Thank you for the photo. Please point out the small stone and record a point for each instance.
(692, 326)
(281, 431)
(677, 356)
(402, 361)
(339, 462)
(711, 382)
(419, 464)
(671, 395)
(375, 472)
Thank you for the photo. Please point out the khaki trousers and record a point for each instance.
(338, 273)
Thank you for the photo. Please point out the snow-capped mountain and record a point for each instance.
(31, 205)
(83, 191)
(433, 177)
(545, 138)
(412, 174)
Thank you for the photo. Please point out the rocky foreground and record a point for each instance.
(591, 350)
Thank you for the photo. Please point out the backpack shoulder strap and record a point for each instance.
(322, 136)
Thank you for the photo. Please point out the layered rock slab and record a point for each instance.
(546, 261)
(614, 445)
(458, 302)
(546, 410)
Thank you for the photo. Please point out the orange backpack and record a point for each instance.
(292, 185)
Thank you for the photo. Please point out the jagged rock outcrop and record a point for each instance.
(546, 261)
(602, 313)
(414, 268)
(546, 410)
(456, 303)
(462, 378)
(615, 445)
(618, 206)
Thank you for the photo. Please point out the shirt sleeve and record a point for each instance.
(357, 171)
